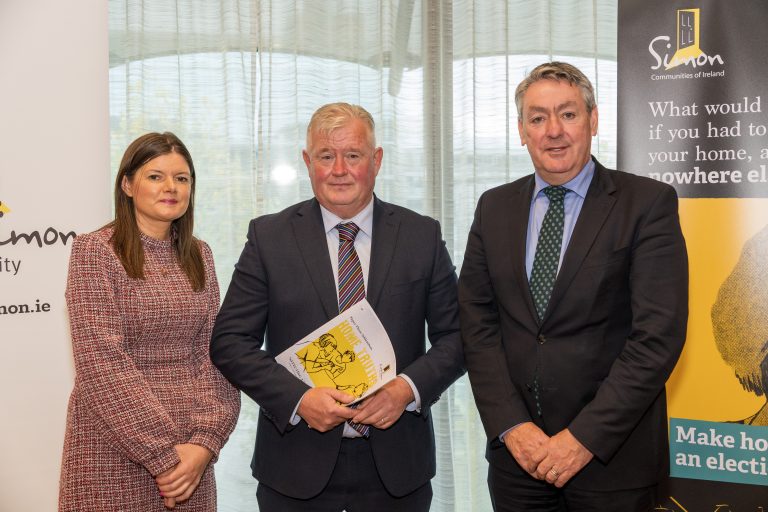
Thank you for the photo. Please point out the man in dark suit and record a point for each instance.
(292, 277)
(573, 301)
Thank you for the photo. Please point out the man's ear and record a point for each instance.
(378, 155)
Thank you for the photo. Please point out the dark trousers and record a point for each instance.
(520, 492)
(354, 486)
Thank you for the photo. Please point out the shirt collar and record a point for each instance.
(364, 219)
(579, 184)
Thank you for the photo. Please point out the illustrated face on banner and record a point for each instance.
(160, 190)
(740, 321)
(557, 129)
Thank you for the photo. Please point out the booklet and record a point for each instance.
(351, 353)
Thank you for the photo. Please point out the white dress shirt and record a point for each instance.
(363, 242)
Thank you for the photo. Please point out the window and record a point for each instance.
(238, 81)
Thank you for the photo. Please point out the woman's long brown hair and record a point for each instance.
(126, 238)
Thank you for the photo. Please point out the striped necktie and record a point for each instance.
(351, 284)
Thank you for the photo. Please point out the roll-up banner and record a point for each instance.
(693, 113)
(54, 183)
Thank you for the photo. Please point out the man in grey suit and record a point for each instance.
(573, 301)
(294, 276)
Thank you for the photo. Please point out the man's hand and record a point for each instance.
(178, 483)
(320, 408)
(528, 445)
(562, 458)
(384, 408)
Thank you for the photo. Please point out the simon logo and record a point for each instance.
(688, 50)
(50, 236)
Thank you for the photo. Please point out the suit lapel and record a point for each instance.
(384, 238)
(517, 227)
(597, 205)
(310, 237)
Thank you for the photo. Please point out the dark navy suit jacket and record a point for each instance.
(283, 288)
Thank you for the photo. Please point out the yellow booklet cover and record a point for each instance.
(352, 353)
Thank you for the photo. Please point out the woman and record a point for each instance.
(149, 412)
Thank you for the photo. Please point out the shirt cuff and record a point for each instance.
(295, 418)
(510, 429)
(414, 406)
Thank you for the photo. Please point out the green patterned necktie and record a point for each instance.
(547, 256)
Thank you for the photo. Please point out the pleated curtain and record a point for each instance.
(238, 80)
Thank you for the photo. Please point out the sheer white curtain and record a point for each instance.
(237, 80)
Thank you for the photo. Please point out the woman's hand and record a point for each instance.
(177, 484)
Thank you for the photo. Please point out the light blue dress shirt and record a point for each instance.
(574, 200)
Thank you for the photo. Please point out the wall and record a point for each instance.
(54, 180)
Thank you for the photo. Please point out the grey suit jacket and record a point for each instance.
(283, 288)
(613, 331)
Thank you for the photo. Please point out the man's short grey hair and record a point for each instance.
(332, 116)
(558, 71)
